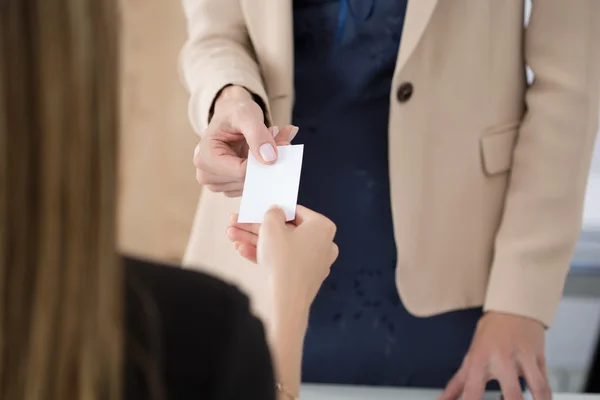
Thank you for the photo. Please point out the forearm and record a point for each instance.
(287, 341)
(217, 53)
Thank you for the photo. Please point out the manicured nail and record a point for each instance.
(294, 132)
(274, 130)
(237, 245)
(267, 152)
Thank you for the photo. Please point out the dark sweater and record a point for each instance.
(191, 336)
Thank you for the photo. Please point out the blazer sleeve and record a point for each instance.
(218, 52)
(544, 204)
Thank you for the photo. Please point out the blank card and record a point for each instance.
(269, 185)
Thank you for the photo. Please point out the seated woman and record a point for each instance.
(77, 321)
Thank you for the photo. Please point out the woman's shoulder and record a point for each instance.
(175, 306)
(198, 327)
(181, 286)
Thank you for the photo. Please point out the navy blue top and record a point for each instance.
(359, 330)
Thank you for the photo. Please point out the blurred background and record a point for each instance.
(158, 190)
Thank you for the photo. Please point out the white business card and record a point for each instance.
(269, 185)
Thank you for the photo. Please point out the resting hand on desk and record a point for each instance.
(504, 348)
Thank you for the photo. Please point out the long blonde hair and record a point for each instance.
(60, 279)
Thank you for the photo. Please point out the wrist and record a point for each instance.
(290, 306)
(287, 341)
(288, 326)
(233, 92)
(290, 318)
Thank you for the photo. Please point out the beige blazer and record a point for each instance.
(487, 173)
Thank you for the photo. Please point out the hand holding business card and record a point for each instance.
(269, 185)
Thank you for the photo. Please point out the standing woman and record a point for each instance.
(457, 187)
(79, 322)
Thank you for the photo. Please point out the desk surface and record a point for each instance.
(331, 392)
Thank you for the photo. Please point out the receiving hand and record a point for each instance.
(299, 254)
(236, 128)
(504, 348)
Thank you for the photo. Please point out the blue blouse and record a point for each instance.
(359, 331)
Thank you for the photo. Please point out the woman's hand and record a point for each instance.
(299, 254)
(237, 127)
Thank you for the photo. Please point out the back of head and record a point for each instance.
(60, 289)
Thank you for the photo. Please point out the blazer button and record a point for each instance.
(404, 92)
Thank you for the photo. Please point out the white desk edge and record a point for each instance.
(341, 392)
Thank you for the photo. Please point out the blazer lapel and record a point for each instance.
(418, 14)
(270, 22)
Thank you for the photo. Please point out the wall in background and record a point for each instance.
(158, 191)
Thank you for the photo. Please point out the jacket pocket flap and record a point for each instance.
(497, 149)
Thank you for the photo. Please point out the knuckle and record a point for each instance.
(540, 389)
(232, 194)
(335, 252)
(201, 177)
(478, 360)
(526, 350)
(213, 188)
(200, 161)
(329, 227)
(240, 175)
(505, 358)
(471, 387)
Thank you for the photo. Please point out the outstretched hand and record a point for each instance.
(237, 128)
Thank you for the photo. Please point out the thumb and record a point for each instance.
(274, 218)
(260, 140)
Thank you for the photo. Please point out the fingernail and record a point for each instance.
(237, 245)
(294, 132)
(267, 152)
(196, 150)
(274, 130)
